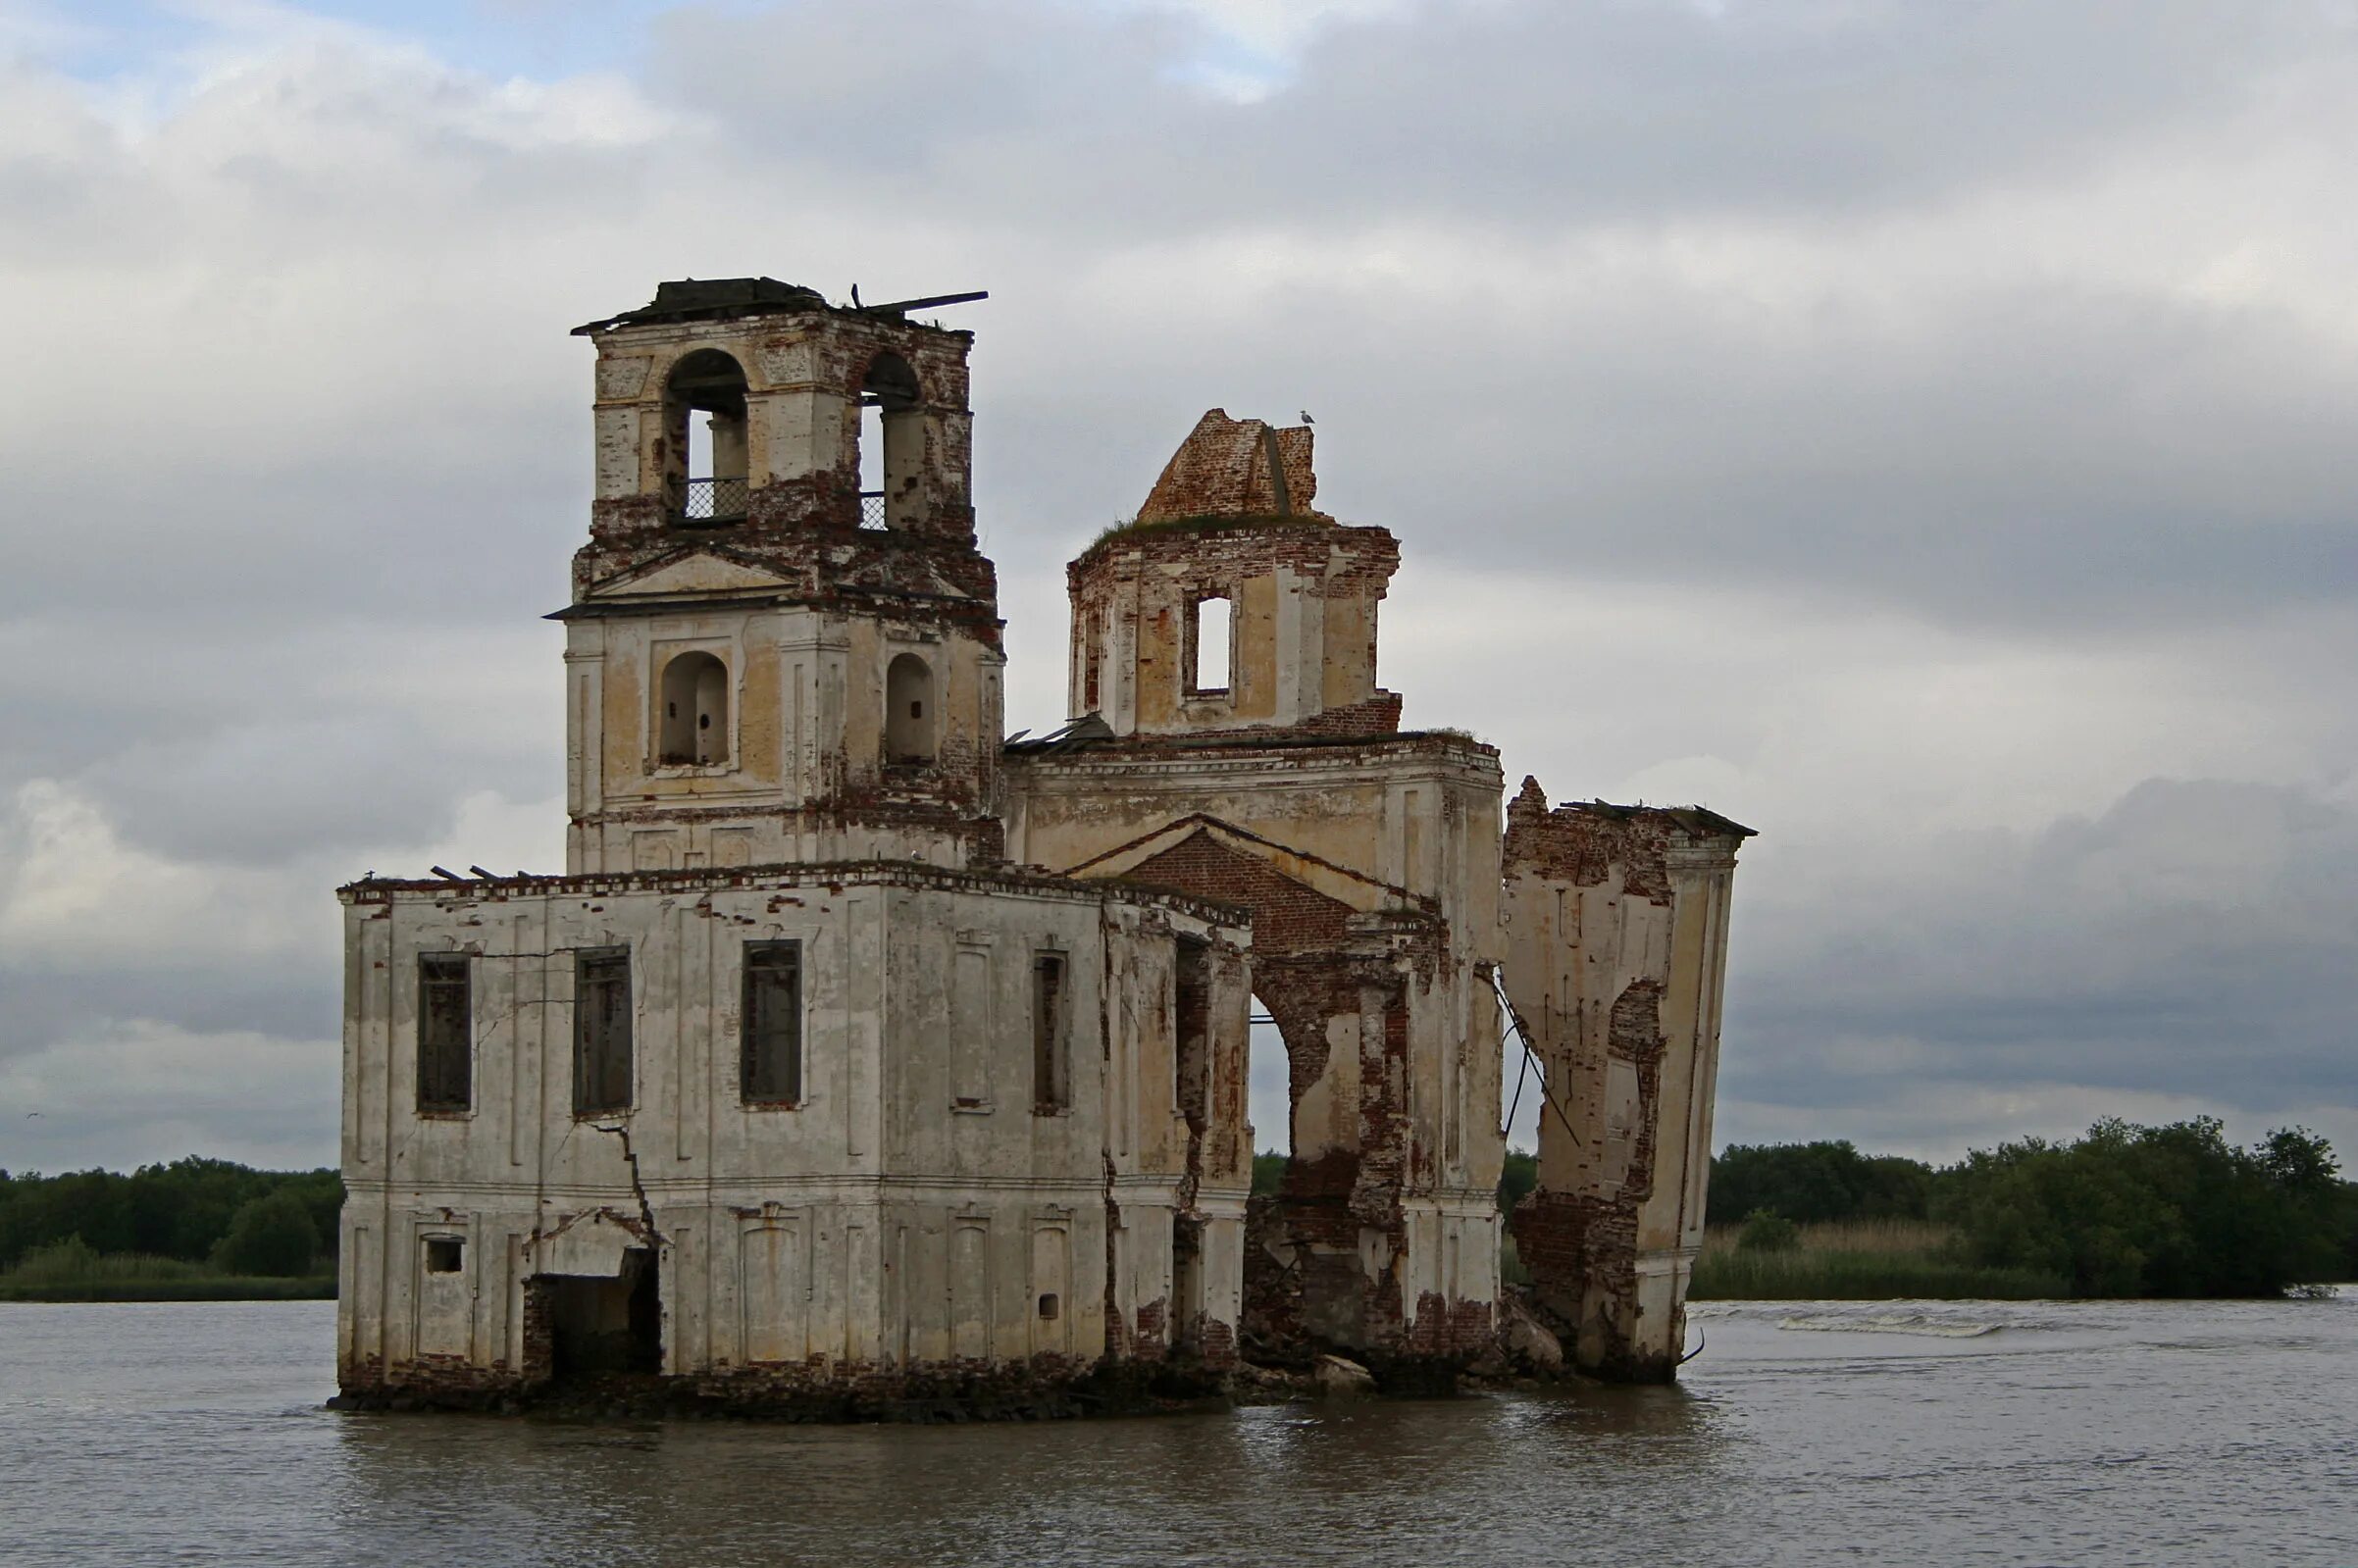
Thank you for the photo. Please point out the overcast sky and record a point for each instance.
(1923, 431)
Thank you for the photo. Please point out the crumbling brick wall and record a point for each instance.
(1617, 930)
(1223, 468)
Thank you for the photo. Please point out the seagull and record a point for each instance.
(1306, 418)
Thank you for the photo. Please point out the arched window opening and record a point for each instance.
(1268, 1098)
(1209, 624)
(696, 712)
(892, 444)
(705, 469)
(908, 711)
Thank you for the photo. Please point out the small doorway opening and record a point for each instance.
(601, 1326)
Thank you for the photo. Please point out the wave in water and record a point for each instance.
(1890, 1323)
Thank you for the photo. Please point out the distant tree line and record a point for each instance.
(2125, 1211)
(214, 1212)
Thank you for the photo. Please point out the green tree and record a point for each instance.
(1766, 1231)
(2165, 1211)
(1518, 1176)
(270, 1235)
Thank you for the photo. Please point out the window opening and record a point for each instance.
(445, 1033)
(696, 712)
(1269, 1099)
(444, 1254)
(908, 711)
(1052, 1061)
(770, 1049)
(1049, 1307)
(1211, 622)
(1190, 1058)
(706, 472)
(602, 1031)
(892, 444)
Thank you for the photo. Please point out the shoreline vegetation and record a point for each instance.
(2127, 1211)
(195, 1230)
(69, 1271)
(1860, 1260)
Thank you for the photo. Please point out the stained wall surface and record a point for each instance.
(1617, 940)
(1011, 1149)
(913, 1213)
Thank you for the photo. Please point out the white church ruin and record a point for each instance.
(862, 1060)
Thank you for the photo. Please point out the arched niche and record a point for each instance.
(694, 720)
(909, 717)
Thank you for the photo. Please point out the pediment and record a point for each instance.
(1159, 857)
(698, 572)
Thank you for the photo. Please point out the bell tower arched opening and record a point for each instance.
(705, 479)
(908, 711)
(694, 724)
(892, 444)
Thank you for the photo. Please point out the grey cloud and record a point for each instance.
(1612, 296)
(1053, 112)
(2199, 938)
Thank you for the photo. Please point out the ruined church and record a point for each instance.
(862, 1056)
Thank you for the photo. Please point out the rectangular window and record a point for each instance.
(770, 1038)
(1051, 1066)
(445, 1254)
(1211, 621)
(445, 1033)
(602, 1031)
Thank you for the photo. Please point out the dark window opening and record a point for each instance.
(1187, 1284)
(770, 1041)
(1191, 1062)
(445, 1033)
(909, 733)
(602, 1031)
(1049, 1307)
(1051, 1064)
(444, 1254)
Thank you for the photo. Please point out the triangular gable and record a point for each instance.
(693, 571)
(1361, 893)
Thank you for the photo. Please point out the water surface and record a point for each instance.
(1806, 1432)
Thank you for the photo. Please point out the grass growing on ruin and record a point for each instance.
(1857, 1260)
(72, 1271)
(1210, 523)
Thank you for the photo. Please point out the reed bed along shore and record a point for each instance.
(1859, 1260)
(75, 1274)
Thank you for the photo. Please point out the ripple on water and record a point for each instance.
(1887, 1430)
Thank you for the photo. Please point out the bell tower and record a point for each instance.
(768, 661)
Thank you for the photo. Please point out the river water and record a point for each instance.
(1936, 1432)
